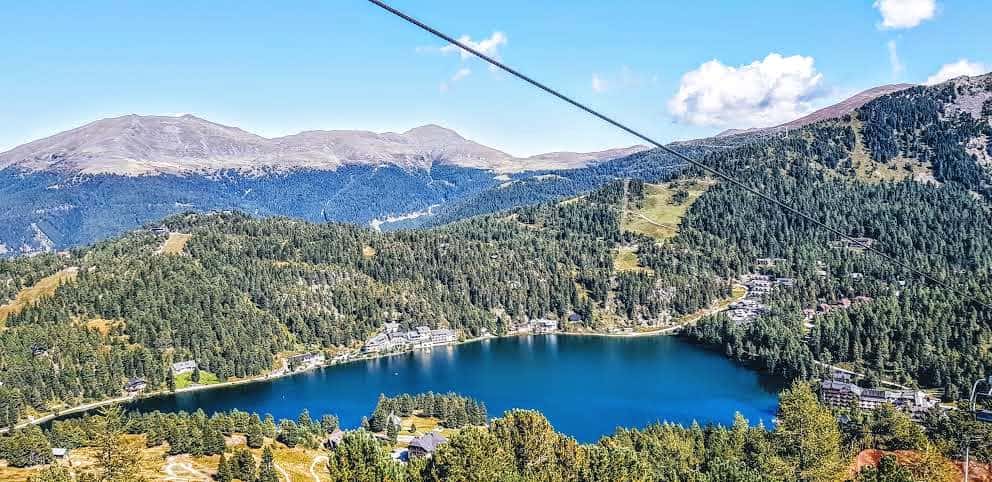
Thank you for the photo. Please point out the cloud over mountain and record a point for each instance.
(770, 91)
(956, 69)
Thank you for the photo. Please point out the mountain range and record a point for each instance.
(113, 175)
(134, 145)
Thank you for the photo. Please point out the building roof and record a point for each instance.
(428, 442)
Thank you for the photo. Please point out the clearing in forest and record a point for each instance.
(44, 287)
(626, 260)
(175, 243)
(663, 207)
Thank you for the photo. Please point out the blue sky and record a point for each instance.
(276, 68)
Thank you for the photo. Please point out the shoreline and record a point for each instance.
(86, 407)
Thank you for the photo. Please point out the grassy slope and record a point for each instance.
(176, 243)
(658, 217)
(44, 287)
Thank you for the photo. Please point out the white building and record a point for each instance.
(377, 344)
(443, 336)
(184, 367)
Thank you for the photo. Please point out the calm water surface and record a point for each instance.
(586, 385)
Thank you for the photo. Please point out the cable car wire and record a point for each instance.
(715, 172)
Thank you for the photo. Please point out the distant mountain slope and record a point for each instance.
(113, 175)
(142, 145)
(834, 111)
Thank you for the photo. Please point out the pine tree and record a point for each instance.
(224, 470)
(267, 469)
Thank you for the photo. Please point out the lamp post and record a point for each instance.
(971, 406)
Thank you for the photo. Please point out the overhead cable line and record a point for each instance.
(726, 177)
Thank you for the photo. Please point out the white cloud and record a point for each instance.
(894, 61)
(489, 46)
(459, 75)
(598, 84)
(765, 92)
(957, 69)
(905, 13)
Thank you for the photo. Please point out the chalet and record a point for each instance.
(785, 281)
(184, 367)
(38, 350)
(426, 445)
(135, 385)
(60, 453)
(390, 328)
(574, 318)
(160, 230)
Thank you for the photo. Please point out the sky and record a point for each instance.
(674, 70)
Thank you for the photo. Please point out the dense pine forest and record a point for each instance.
(807, 443)
(906, 170)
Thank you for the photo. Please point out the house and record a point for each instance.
(574, 318)
(419, 336)
(160, 230)
(443, 336)
(305, 359)
(377, 344)
(135, 385)
(544, 325)
(390, 328)
(785, 281)
(60, 453)
(768, 262)
(184, 367)
(425, 445)
(38, 350)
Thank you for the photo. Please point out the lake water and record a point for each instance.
(586, 385)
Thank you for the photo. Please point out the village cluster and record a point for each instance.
(391, 338)
(841, 391)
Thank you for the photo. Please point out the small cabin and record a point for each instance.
(426, 445)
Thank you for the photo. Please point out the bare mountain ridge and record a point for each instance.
(834, 111)
(148, 145)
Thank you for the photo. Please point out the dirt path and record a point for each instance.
(171, 475)
(285, 475)
(313, 467)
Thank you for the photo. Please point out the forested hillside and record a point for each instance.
(242, 290)
(904, 171)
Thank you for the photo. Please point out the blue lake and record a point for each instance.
(586, 385)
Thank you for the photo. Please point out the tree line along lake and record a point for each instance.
(586, 385)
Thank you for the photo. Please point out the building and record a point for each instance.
(60, 453)
(135, 385)
(842, 394)
(390, 328)
(377, 343)
(160, 230)
(443, 335)
(419, 336)
(425, 445)
(305, 359)
(544, 325)
(574, 318)
(184, 367)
